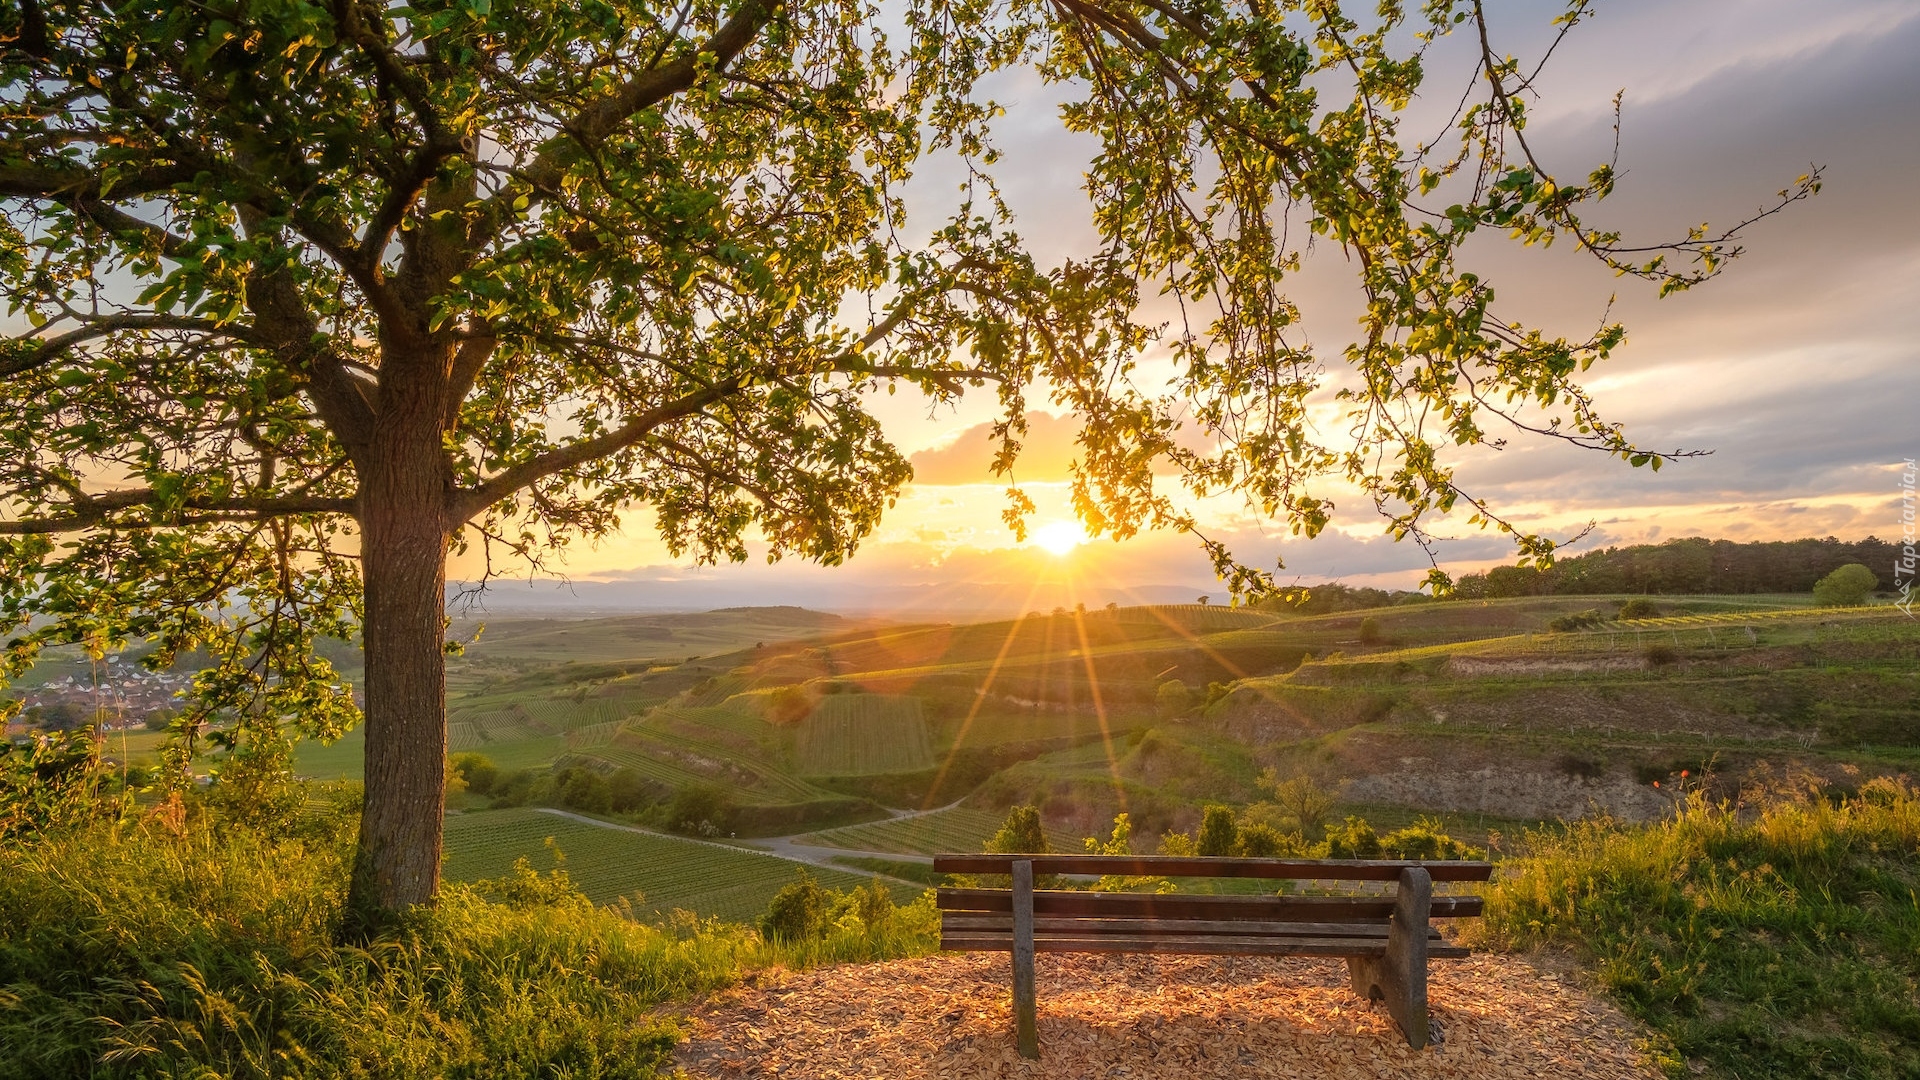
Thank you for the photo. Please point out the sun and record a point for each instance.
(1057, 537)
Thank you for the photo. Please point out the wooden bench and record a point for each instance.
(1386, 938)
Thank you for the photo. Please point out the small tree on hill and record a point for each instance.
(316, 292)
(1218, 834)
(1020, 834)
(1302, 798)
(1173, 699)
(1849, 586)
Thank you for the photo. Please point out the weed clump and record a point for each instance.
(1779, 938)
(185, 943)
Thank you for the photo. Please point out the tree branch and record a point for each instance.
(500, 487)
(50, 349)
(95, 511)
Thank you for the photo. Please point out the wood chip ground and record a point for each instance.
(1145, 1017)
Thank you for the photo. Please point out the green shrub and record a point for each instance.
(1781, 940)
(629, 791)
(1584, 620)
(583, 789)
(1639, 608)
(1426, 838)
(1020, 834)
(1262, 841)
(1177, 844)
(1355, 839)
(798, 912)
(1173, 700)
(478, 770)
(700, 810)
(515, 788)
(1370, 631)
(1218, 835)
(1846, 587)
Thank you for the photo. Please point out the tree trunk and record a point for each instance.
(403, 553)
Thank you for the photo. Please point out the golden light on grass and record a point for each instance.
(1057, 537)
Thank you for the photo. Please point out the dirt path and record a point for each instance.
(1144, 1017)
(778, 847)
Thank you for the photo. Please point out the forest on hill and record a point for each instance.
(1690, 565)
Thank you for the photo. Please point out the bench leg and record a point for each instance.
(1025, 1003)
(1399, 979)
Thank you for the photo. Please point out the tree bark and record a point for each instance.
(403, 553)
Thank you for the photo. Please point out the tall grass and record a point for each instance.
(1782, 942)
(150, 951)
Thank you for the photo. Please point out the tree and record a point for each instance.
(1302, 797)
(1173, 700)
(322, 290)
(1218, 834)
(1020, 834)
(1847, 586)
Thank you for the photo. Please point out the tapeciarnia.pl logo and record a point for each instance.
(1904, 563)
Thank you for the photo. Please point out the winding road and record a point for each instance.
(780, 847)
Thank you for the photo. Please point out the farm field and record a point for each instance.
(959, 829)
(855, 734)
(665, 873)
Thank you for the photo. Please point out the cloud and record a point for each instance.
(1046, 452)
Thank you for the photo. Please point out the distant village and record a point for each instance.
(125, 693)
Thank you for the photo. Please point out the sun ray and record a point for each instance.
(979, 699)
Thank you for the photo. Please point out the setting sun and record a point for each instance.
(1058, 537)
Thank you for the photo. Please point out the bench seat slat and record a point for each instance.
(1183, 866)
(1173, 906)
(964, 922)
(1208, 944)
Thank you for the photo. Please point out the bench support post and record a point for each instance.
(1025, 1006)
(1399, 979)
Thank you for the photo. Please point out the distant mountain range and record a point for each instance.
(583, 597)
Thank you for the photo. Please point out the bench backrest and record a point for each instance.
(1200, 866)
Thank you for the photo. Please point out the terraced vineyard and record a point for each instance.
(958, 829)
(863, 734)
(608, 864)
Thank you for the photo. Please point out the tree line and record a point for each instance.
(1691, 564)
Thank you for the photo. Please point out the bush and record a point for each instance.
(478, 770)
(1355, 839)
(1426, 838)
(789, 705)
(1774, 940)
(583, 789)
(1020, 834)
(1846, 587)
(1177, 844)
(1639, 608)
(1173, 700)
(1370, 631)
(1263, 841)
(1584, 620)
(798, 912)
(700, 810)
(515, 788)
(629, 791)
(1218, 836)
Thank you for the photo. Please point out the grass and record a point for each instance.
(656, 874)
(863, 734)
(1777, 943)
(209, 950)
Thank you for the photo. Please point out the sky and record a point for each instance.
(1798, 369)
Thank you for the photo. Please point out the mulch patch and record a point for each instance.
(1141, 1017)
